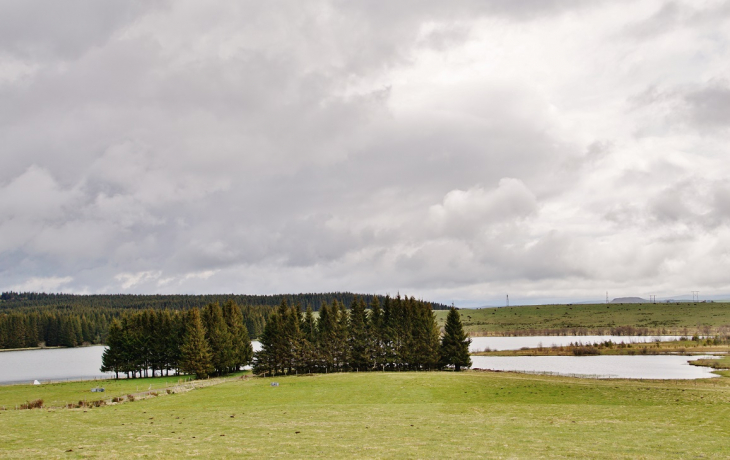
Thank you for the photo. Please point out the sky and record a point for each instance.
(552, 150)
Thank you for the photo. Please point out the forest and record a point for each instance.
(30, 319)
(402, 334)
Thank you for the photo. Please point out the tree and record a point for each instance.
(196, 356)
(455, 343)
(359, 337)
(219, 338)
(243, 352)
(111, 359)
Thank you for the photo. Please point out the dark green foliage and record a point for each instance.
(401, 336)
(223, 353)
(454, 349)
(113, 358)
(360, 337)
(195, 353)
(242, 350)
(153, 342)
(29, 319)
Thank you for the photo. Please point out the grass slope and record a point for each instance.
(393, 415)
(680, 318)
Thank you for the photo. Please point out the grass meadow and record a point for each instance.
(383, 415)
(626, 319)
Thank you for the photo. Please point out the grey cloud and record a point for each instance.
(43, 29)
(269, 147)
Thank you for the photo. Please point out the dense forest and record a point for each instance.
(31, 319)
(400, 334)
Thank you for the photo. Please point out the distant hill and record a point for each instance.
(629, 300)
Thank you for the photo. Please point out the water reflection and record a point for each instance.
(515, 343)
(623, 366)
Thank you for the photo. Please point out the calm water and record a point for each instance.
(84, 363)
(51, 364)
(515, 343)
(626, 367)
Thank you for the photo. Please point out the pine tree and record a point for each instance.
(267, 361)
(111, 359)
(359, 337)
(243, 352)
(196, 355)
(455, 343)
(220, 340)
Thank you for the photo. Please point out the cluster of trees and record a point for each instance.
(402, 334)
(152, 342)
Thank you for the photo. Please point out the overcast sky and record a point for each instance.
(455, 151)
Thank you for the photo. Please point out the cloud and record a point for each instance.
(451, 151)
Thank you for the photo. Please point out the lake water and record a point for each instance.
(51, 364)
(515, 343)
(607, 366)
(83, 363)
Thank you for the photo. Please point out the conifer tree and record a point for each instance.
(243, 352)
(219, 338)
(196, 355)
(375, 324)
(111, 359)
(326, 337)
(359, 337)
(267, 361)
(455, 343)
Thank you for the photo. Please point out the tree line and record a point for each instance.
(30, 319)
(209, 341)
(400, 334)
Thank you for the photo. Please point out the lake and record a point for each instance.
(83, 363)
(607, 366)
(515, 343)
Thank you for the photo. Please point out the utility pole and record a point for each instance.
(508, 300)
(695, 296)
(606, 296)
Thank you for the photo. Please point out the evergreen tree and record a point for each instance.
(195, 353)
(219, 338)
(454, 349)
(327, 337)
(267, 361)
(112, 358)
(359, 337)
(243, 352)
(377, 355)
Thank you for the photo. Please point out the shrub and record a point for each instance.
(117, 399)
(130, 398)
(585, 351)
(37, 404)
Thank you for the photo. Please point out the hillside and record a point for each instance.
(616, 319)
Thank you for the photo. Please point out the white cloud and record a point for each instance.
(453, 151)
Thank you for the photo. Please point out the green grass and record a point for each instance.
(60, 394)
(390, 415)
(674, 319)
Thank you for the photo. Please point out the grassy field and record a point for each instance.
(388, 415)
(673, 319)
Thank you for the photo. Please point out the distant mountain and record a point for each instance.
(629, 300)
